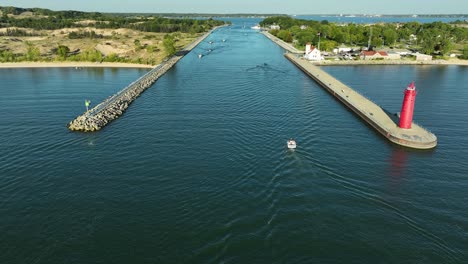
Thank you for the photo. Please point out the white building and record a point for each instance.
(277, 27)
(423, 57)
(312, 53)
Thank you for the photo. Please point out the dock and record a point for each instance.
(288, 47)
(110, 109)
(414, 137)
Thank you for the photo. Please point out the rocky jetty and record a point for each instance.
(113, 107)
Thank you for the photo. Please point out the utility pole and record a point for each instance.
(370, 37)
(319, 40)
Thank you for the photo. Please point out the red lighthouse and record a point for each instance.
(406, 115)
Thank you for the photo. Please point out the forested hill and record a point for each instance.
(36, 34)
(45, 19)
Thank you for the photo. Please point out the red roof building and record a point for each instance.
(372, 55)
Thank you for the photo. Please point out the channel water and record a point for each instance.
(197, 169)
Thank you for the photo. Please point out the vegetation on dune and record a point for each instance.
(431, 38)
(169, 45)
(45, 19)
(35, 34)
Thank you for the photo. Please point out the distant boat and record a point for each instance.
(291, 144)
(256, 27)
(200, 55)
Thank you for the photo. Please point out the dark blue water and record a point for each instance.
(197, 170)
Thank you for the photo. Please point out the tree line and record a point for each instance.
(428, 38)
(45, 19)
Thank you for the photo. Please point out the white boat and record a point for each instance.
(199, 55)
(291, 144)
(256, 27)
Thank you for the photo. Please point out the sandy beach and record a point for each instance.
(69, 64)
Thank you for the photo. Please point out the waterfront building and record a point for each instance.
(372, 55)
(312, 53)
(423, 57)
(274, 26)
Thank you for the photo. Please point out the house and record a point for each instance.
(392, 55)
(312, 53)
(303, 27)
(342, 49)
(373, 55)
(274, 26)
(423, 57)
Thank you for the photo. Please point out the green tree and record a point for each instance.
(390, 36)
(377, 41)
(465, 53)
(444, 46)
(285, 35)
(169, 45)
(32, 53)
(7, 56)
(328, 45)
(274, 32)
(62, 52)
(428, 41)
(137, 42)
(304, 37)
(112, 57)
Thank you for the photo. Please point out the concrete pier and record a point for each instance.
(282, 44)
(415, 137)
(114, 106)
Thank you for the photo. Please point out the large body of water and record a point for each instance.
(197, 170)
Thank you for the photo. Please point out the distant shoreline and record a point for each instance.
(70, 64)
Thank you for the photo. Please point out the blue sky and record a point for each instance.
(254, 6)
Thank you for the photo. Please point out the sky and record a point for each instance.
(291, 7)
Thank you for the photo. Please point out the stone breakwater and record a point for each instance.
(113, 107)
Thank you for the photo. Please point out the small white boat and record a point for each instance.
(199, 56)
(291, 144)
(256, 27)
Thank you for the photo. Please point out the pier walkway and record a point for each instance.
(281, 43)
(114, 106)
(415, 137)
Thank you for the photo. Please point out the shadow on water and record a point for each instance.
(266, 68)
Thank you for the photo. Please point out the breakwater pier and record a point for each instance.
(114, 106)
(282, 43)
(414, 137)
